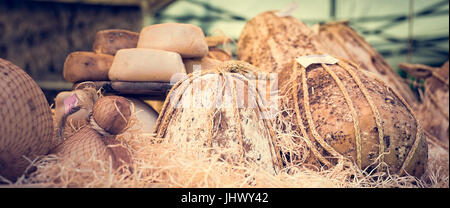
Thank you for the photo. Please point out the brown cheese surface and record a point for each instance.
(87, 66)
(110, 41)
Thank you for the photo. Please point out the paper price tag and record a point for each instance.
(305, 61)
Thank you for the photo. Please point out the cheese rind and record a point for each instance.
(141, 64)
(84, 66)
(185, 39)
(110, 41)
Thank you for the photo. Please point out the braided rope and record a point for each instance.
(352, 110)
(309, 118)
(300, 120)
(419, 128)
(419, 132)
(376, 113)
(162, 119)
(372, 106)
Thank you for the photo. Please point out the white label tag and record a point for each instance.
(288, 11)
(305, 61)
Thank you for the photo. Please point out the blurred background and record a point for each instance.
(38, 35)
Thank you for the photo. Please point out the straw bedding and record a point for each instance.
(161, 162)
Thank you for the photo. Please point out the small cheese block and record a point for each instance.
(82, 66)
(142, 64)
(110, 41)
(185, 39)
(202, 64)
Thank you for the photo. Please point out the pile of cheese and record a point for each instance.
(155, 54)
(159, 53)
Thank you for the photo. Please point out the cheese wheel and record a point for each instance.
(142, 64)
(204, 64)
(83, 66)
(110, 41)
(185, 39)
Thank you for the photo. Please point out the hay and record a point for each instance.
(159, 163)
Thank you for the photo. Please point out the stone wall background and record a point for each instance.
(37, 36)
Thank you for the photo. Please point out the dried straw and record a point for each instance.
(159, 163)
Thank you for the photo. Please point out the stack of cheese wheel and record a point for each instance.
(188, 41)
(94, 66)
(159, 53)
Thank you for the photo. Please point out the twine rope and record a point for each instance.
(372, 106)
(352, 110)
(310, 120)
(375, 112)
(300, 120)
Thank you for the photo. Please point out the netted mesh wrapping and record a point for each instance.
(26, 126)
